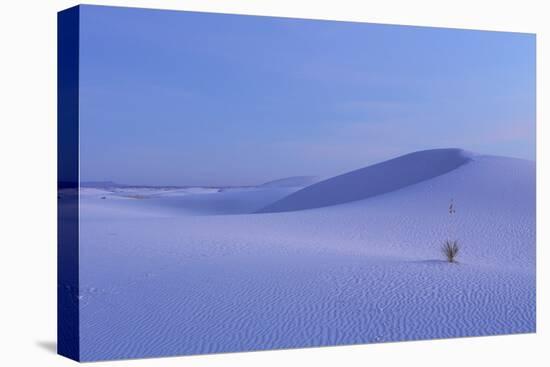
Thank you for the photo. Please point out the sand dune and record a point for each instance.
(373, 180)
(363, 271)
(181, 202)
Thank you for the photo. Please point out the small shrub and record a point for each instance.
(450, 250)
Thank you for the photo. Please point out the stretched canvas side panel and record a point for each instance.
(67, 184)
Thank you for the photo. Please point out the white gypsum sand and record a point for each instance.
(191, 271)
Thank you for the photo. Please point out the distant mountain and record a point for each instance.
(295, 181)
(99, 184)
(112, 184)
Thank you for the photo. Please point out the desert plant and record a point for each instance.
(450, 250)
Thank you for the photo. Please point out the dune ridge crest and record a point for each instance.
(376, 179)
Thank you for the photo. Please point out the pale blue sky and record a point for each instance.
(181, 98)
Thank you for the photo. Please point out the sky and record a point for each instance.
(183, 98)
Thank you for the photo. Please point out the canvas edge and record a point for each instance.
(68, 331)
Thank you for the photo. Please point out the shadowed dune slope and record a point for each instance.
(373, 180)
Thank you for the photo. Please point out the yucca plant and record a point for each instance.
(450, 250)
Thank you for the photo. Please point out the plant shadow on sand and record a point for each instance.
(434, 262)
(49, 346)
